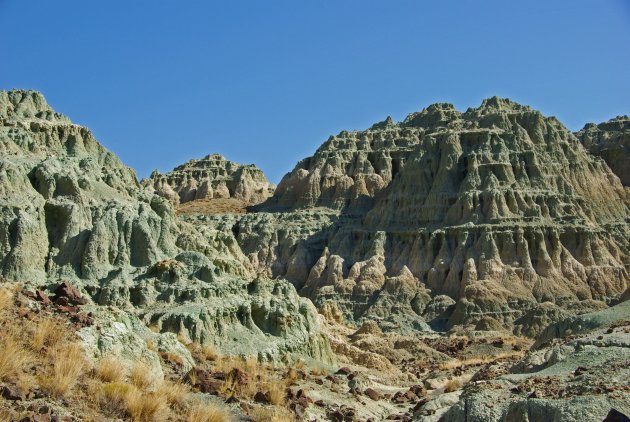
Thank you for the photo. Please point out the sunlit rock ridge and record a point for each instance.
(447, 217)
(212, 177)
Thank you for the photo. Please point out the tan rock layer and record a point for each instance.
(212, 177)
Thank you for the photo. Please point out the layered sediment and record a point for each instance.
(498, 209)
(211, 177)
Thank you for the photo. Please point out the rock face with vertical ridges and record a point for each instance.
(611, 141)
(498, 208)
(212, 177)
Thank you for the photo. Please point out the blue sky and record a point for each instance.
(266, 82)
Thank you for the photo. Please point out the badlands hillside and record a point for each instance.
(456, 266)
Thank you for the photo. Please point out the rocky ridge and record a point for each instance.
(447, 218)
(611, 141)
(441, 237)
(212, 177)
(70, 210)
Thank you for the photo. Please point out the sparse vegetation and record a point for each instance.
(47, 333)
(109, 369)
(207, 413)
(276, 391)
(272, 414)
(452, 385)
(209, 352)
(174, 393)
(478, 360)
(68, 364)
(141, 376)
(6, 298)
(14, 357)
(45, 354)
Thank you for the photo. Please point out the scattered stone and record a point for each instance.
(261, 397)
(373, 394)
(66, 294)
(11, 392)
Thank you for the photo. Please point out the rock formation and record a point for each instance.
(72, 211)
(491, 213)
(477, 223)
(212, 177)
(580, 375)
(611, 141)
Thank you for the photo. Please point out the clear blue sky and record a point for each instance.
(267, 82)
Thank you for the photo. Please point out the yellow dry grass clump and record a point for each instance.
(207, 413)
(141, 376)
(14, 357)
(272, 414)
(67, 365)
(46, 333)
(109, 369)
(6, 298)
(452, 385)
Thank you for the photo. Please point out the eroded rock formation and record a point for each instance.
(580, 375)
(212, 177)
(491, 212)
(70, 210)
(611, 141)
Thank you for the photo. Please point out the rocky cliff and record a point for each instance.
(611, 141)
(212, 177)
(448, 216)
(70, 210)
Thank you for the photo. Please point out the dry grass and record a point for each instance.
(479, 360)
(292, 376)
(271, 414)
(6, 415)
(212, 206)
(6, 298)
(118, 399)
(260, 377)
(174, 393)
(276, 390)
(172, 358)
(145, 407)
(112, 397)
(209, 352)
(316, 372)
(41, 352)
(203, 353)
(207, 413)
(68, 364)
(14, 357)
(452, 385)
(109, 369)
(141, 376)
(47, 333)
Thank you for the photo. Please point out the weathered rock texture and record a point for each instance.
(611, 141)
(579, 377)
(212, 177)
(70, 210)
(449, 216)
